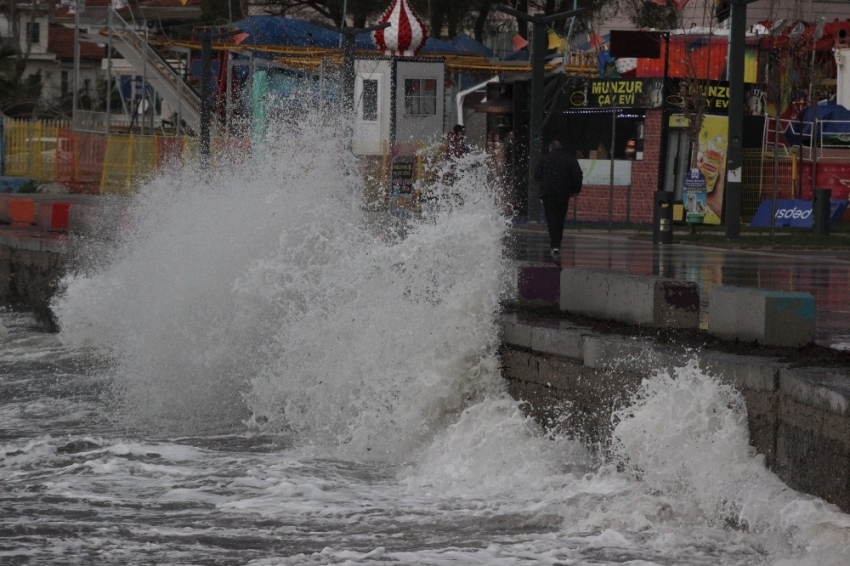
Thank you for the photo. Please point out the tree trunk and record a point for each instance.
(437, 19)
(522, 26)
(481, 20)
(453, 20)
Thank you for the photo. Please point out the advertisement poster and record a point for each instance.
(695, 197)
(711, 162)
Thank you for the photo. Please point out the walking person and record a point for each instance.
(560, 177)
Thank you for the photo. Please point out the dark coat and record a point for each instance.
(559, 174)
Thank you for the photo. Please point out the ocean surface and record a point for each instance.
(261, 370)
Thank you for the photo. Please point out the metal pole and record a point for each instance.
(539, 44)
(734, 155)
(611, 178)
(142, 115)
(109, 71)
(206, 92)
(75, 102)
(656, 219)
(348, 72)
(777, 103)
(228, 95)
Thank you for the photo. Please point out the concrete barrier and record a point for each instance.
(635, 299)
(4, 208)
(538, 282)
(774, 318)
(53, 216)
(21, 211)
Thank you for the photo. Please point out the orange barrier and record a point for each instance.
(21, 211)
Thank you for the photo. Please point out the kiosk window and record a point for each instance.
(370, 100)
(420, 97)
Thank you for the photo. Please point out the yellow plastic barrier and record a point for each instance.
(33, 148)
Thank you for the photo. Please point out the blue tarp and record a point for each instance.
(271, 30)
(833, 125)
(467, 45)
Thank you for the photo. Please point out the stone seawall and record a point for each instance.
(30, 269)
(798, 418)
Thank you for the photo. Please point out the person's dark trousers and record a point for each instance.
(556, 212)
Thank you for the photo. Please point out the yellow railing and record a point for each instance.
(32, 148)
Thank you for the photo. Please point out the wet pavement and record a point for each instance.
(824, 274)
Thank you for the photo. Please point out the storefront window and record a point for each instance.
(592, 133)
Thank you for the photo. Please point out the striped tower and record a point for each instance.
(407, 34)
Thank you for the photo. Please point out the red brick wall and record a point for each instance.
(593, 204)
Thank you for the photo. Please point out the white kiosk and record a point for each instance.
(399, 96)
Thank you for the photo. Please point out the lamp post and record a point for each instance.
(75, 101)
(734, 154)
(206, 93)
(539, 44)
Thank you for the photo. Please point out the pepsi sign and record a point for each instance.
(795, 213)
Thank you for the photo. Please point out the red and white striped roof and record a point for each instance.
(406, 34)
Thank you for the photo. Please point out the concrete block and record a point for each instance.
(775, 318)
(825, 389)
(632, 354)
(750, 373)
(564, 342)
(515, 332)
(635, 299)
(21, 211)
(538, 282)
(53, 216)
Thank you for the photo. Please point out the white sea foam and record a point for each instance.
(265, 290)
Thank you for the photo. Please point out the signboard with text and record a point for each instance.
(795, 213)
(716, 95)
(402, 175)
(617, 93)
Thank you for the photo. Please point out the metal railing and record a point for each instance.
(174, 88)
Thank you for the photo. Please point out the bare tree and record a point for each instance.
(22, 18)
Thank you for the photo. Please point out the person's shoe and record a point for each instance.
(555, 251)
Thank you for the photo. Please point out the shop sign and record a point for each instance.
(716, 94)
(617, 93)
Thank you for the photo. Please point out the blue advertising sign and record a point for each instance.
(795, 213)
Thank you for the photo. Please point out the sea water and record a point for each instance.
(259, 369)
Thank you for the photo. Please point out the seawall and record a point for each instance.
(31, 265)
(798, 417)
